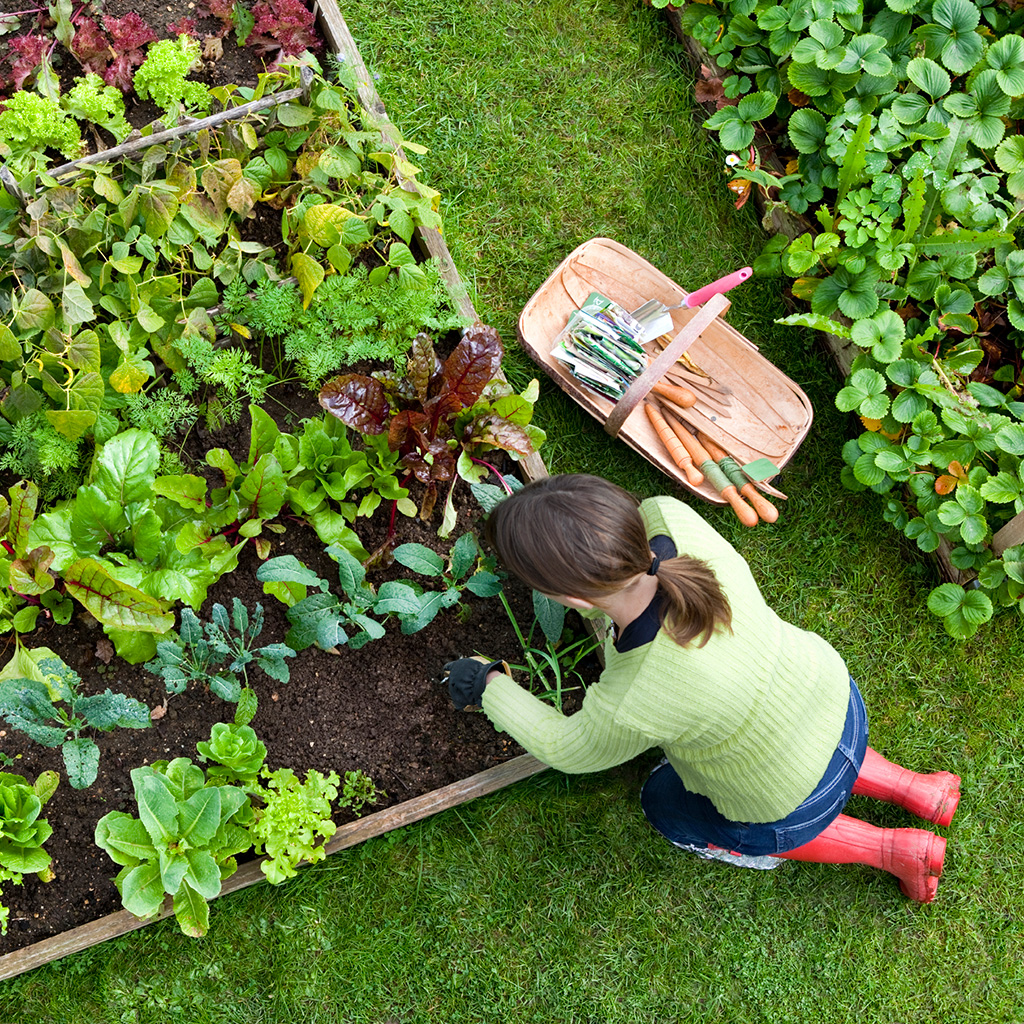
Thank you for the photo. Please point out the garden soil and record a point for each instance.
(383, 709)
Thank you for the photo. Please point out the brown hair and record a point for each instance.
(582, 536)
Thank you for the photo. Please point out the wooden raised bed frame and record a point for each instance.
(340, 40)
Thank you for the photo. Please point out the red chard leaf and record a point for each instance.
(475, 362)
(359, 402)
(498, 433)
(406, 431)
(423, 366)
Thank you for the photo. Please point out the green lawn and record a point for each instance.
(552, 901)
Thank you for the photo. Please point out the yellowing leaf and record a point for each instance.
(322, 222)
(242, 330)
(128, 378)
(309, 274)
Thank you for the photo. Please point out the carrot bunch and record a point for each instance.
(700, 458)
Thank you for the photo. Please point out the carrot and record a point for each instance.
(683, 397)
(764, 508)
(680, 456)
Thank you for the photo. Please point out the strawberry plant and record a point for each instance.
(897, 117)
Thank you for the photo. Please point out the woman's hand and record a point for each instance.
(467, 678)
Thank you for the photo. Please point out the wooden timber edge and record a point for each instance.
(842, 350)
(524, 766)
(121, 922)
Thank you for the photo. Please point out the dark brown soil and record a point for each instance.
(382, 709)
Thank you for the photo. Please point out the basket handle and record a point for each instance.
(637, 391)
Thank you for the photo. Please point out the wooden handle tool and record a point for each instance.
(680, 456)
(764, 508)
(711, 471)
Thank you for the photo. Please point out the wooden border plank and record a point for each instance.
(490, 780)
(122, 923)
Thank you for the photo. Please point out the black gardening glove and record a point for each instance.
(467, 678)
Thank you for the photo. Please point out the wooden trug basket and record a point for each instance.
(769, 416)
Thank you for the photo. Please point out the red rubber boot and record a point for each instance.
(933, 797)
(913, 855)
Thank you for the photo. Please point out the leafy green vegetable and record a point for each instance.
(183, 843)
(49, 708)
(23, 832)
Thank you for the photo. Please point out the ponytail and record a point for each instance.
(695, 604)
(582, 536)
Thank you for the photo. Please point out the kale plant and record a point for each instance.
(49, 708)
(324, 618)
(218, 653)
(465, 570)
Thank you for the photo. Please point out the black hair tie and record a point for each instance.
(655, 562)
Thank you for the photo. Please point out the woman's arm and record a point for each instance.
(587, 741)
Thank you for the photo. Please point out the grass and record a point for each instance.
(549, 123)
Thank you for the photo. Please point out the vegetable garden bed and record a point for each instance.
(376, 711)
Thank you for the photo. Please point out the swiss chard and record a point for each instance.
(441, 414)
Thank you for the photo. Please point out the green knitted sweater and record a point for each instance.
(750, 720)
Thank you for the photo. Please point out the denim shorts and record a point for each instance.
(691, 820)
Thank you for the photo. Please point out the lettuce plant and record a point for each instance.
(237, 753)
(23, 832)
(162, 77)
(183, 843)
(29, 125)
(103, 105)
(293, 820)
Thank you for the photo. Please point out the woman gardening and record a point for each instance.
(763, 728)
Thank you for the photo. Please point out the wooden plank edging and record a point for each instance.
(490, 780)
(122, 923)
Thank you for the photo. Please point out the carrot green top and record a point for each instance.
(750, 720)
